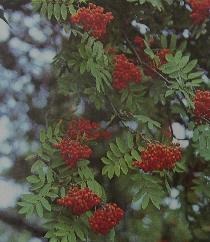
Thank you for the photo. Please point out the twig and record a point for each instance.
(167, 82)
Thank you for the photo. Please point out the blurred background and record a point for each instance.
(27, 48)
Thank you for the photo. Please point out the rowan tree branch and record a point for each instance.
(141, 62)
(20, 224)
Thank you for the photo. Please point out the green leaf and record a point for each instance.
(183, 62)
(115, 150)
(37, 166)
(135, 154)
(42, 136)
(50, 9)
(36, 5)
(149, 189)
(43, 10)
(33, 179)
(123, 166)
(49, 133)
(79, 233)
(106, 161)
(39, 209)
(130, 140)
(72, 237)
(121, 145)
(145, 202)
(195, 75)
(173, 42)
(111, 156)
(190, 66)
(117, 169)
(45, 204)
(29, 198)
(111, 172)
(30, 157)
(57, 11)
(64, 11)
(163, 40)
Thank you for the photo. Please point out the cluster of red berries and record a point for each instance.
(202, 105)
(200, 10)
(72, 147)
(124, 73)
(106, 218)
(72, 151)
(84, 129)
(93, 19)
(159, 157)
(80, 200)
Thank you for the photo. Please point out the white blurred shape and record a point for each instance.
(5, 163)
(183, 143)
(186, 33)
(178, 130)
(174, 192)
(80, 108)
(4, 31)
(37, 34)
(142, 28)
(133, 125)
(9, 193)
(44, 56)
(19, 45)
(174, 204)
(205, 78)
(196, 208)
(4, 128)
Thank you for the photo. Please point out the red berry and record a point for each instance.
(93, 19)
(200, 10)
(72, 151)
(124, 73)
(106, 218)
(202, 105)
(79, 200)
(86, 130)
(139, 42)
(158, 157)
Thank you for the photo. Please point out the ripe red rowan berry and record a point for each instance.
(202, 106)
(72, 151)
(158, 157)
(86, 130)
(124, 73)
(200, 10)
(93, 19)
(79, 200)
(139, 42)
(106, 218)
